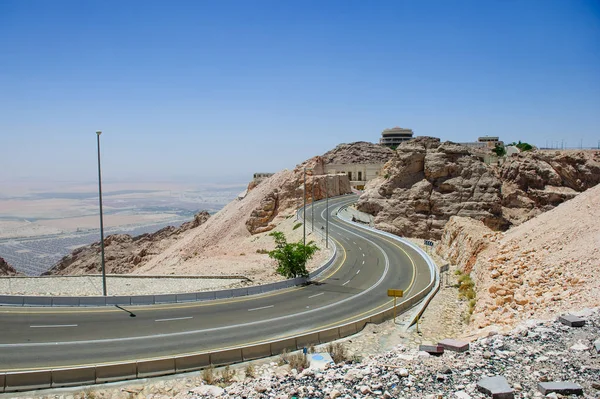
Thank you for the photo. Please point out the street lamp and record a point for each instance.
(98, 133)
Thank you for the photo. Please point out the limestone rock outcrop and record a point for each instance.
(535, 182)
(289, 196)
(123, 253)
(359, 152)
(425, 183)
(6, 269)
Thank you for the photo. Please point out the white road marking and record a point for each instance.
(363, 262)
(54, 325)
(358, 271)
(312, 296)
(346, 282)
(354, 242)
(363, 254)
(360, 248)
(175, 318)
(264, 307)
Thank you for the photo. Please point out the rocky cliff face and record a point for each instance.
(535, 182)
(360, 152)
(6, 269)
(425, 183)
(542, 267)
(122, 252)
(288, 197)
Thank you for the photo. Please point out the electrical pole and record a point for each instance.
(327, 213)
(312, 205)
(98, 133)
(304, 217)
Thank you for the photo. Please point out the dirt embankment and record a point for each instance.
(545, 266)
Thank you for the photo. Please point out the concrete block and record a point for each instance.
(305, 341)
(116, 372)
(199, 296)
(432, 349)
(329, 335)
(347, 330)
(239, 292)
(497, 387)
(11, 300)
(73, 376)
(229, 356)
(318, 361)
(27, 380)
(65, 301)
(92, 301)
(256, 352)
(2, 380)
(454, 345)
(360, 325)
(192, 362)
(118, 300)
(153, 368)
(561, 387)
(378, 318)
(37, 301)
(255, 290)
(142, 300)
(597, 345)
(165, 298)
(285, 344)
(223, 294)
(572, 321)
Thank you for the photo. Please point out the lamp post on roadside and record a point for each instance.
(327, 212)
(98, 133)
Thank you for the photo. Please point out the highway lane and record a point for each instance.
(367, 265)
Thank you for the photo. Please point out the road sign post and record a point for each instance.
(395, 294)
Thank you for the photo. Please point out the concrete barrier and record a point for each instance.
(329, 335)
(256, 352)
(305, 341)
(92, 301)
(118, 300)
(239, 292)
(360, 324)
(347, 330)
(192, 362)
(165, 298)
(204, 296)
(153, 368)
(116, 372)
(73, 376)
(65, 301)
(27, 380)
(255, 290)
(37, 301)
(11, 300)
(377, 318)
(277, 347)
(223, 294)
(226, 357)
(2, 381)
(142, 300)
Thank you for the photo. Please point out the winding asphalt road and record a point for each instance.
(366, 265)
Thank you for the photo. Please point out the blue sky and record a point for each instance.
(202, 90)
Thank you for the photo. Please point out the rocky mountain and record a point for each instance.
(123, 253)
(360, 152)
(426, 182)
(6, 269)
(542, 267)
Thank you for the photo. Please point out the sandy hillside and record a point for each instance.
(545, 266)
(224, 246)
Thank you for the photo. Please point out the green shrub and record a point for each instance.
(208, 375)
(297, 225)
(227, 375)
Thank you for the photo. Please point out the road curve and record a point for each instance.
(367, 264)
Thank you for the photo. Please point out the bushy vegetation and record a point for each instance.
(208, 375)
(250, 371)
(499, 150)
(227, 375)
(297, 225)
(291, 257)
(262, 251)
(466, 291)
(338, 352)
(522, 146)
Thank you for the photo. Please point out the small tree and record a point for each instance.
(499, 150)
(291, 257)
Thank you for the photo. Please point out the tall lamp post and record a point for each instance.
(327, 212)
(98, 133)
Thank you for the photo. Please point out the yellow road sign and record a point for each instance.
(395, 293)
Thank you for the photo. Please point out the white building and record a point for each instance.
(394, 136)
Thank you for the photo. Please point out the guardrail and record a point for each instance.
(32, 300)
(94, 374)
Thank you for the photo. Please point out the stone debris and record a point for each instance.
(597, 345)
(572, 321)
(454, 345)
(496, 386)
(432, 349)
(560, 387)
(524, 363)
